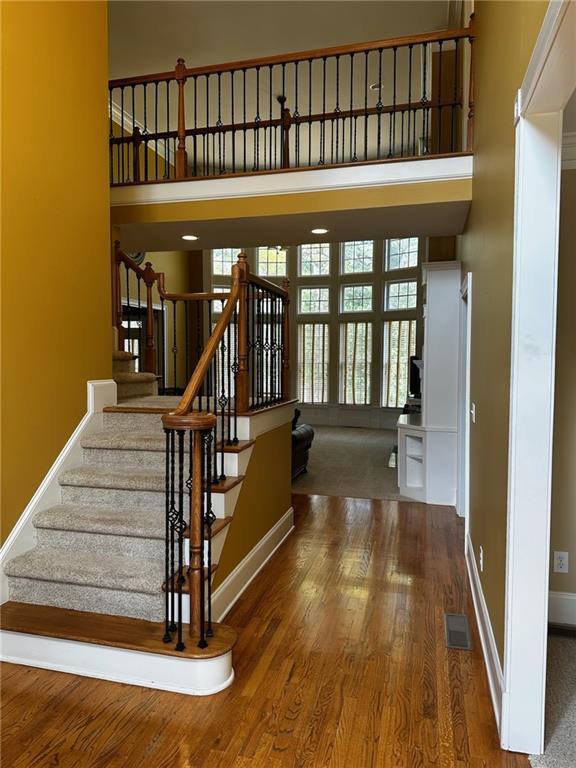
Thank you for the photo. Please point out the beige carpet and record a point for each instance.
(346, 461)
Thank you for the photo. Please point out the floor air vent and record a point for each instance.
(457, 631)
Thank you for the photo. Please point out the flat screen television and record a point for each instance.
(415, 377)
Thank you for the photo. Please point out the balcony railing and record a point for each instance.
(391, 99)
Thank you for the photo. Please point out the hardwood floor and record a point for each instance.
(340, 662)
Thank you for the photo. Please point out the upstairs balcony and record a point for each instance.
(401, 99)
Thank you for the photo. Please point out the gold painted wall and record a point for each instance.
(56, 330)
(506, 33)
(265, 496)
(563, 536)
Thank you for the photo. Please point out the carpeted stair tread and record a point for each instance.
(114, 521)
(167, 402)
(134, 377)
(122, 354)
(134, 479)
(128, 441)
(89, 569)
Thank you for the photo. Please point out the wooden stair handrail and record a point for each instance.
(272, 287)
(318, 53)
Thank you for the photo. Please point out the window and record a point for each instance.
(219, 305)
(357, 256)
(222, 260)
(355, 363)
(314, 259)
(402, 253)
(357, 298)
(314, 300)
(313, 362)
(400, 295)
(399, 345)
(272, 262)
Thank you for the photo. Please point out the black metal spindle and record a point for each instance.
(252, 343)
(323, 122)
(209, 519)
(379, 106)
(219, 122)
(122, 129)
(140, 323)
(199, 349)
(222, 402)
(174, 349)
(207, 142)
(202, 606)
(156, 131)
(410, 47)
(187, 350)
(167, 141)
(296, 118)
(337, 107)
(257, 119)
(352, 120)
(271, 132)
(393, 113)
(173, 517)
(145, 130)
(235, 371)
(244, 117)
(439, 110)
(232, 120)
(167, 529)
(128, 308)
(455, 98)
(424, 100)
(195, 137)
(163, 345)
(181, 528)
(110, 137)
(229, 385)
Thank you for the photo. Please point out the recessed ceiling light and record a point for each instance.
(319, 231)
(189, 237)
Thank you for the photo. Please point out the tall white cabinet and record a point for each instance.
(428, 442)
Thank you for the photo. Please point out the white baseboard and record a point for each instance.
(195, 677)
(562, 608)
(490, 651)
(236, 582)
(23, 535)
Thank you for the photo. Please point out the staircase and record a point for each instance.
(124, 559)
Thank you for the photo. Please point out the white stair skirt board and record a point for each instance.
(246, 571)
(491, 658)
(101, 393)
(195, 677)
(562, 608)
(251, 427)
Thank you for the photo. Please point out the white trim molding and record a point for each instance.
(569, 151)
(489, 649)
(562, 608)
(534, 289)
(314, 180)
(195, 677)
(247, 569)
(100, 394)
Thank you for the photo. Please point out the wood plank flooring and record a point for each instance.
(340, 662)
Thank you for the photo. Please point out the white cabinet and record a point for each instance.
(427, 443)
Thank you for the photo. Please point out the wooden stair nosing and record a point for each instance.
(186, 584)
(104, 629)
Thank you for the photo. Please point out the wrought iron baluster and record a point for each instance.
(270, 115)
(393, 113)
(244, 116)
(229, 385)
(296, 117)
(110, 137)
(235, 369)
(379, 106)
(199, 436)
(222, 402)
(132, 176)
(352, 119)
(455, 98)
(410, 47)
(207, 142)
(257, 119)
(173, 518)
(252, 343)
(337, 107)
(209, 520)
(199, 349)
(168, 570)
(122, 129)
(309, 111)
(195, 137)
(219, 123)
(128, 308)
(145, 131)
(233, 123)
(181, 528)
(166, 141)
(323, 122)
(366, 53)
(174, 350)
(139, 299)
(187, 350)
(162, 346)
(156, 131)
(439, 110)
(424, 100)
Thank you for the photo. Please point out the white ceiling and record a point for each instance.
(364, 224)
(147, 36)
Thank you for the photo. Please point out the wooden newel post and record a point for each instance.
(470, 127)
(117, 296)
(181, 156)
(149, 278)
(136, 144)
(240, 272)
(286, 123)
(286, 341)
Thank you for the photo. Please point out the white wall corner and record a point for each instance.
(487, 639)
(517, 105)
(100, 393)
(562, 608)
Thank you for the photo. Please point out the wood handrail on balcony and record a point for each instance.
(233, 124)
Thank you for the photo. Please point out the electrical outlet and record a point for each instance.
(560, 562)
(481, 559)
(473, 413)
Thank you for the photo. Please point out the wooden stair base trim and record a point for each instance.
(186, 584)
(222, 486)
(135, 409)
(114, 631)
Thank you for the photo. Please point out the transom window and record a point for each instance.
(357, 256)
(314, 259)
(401, 295)
(222, 260)
(402, 253)
(314, 300)
(272, 262)
(356, 298)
